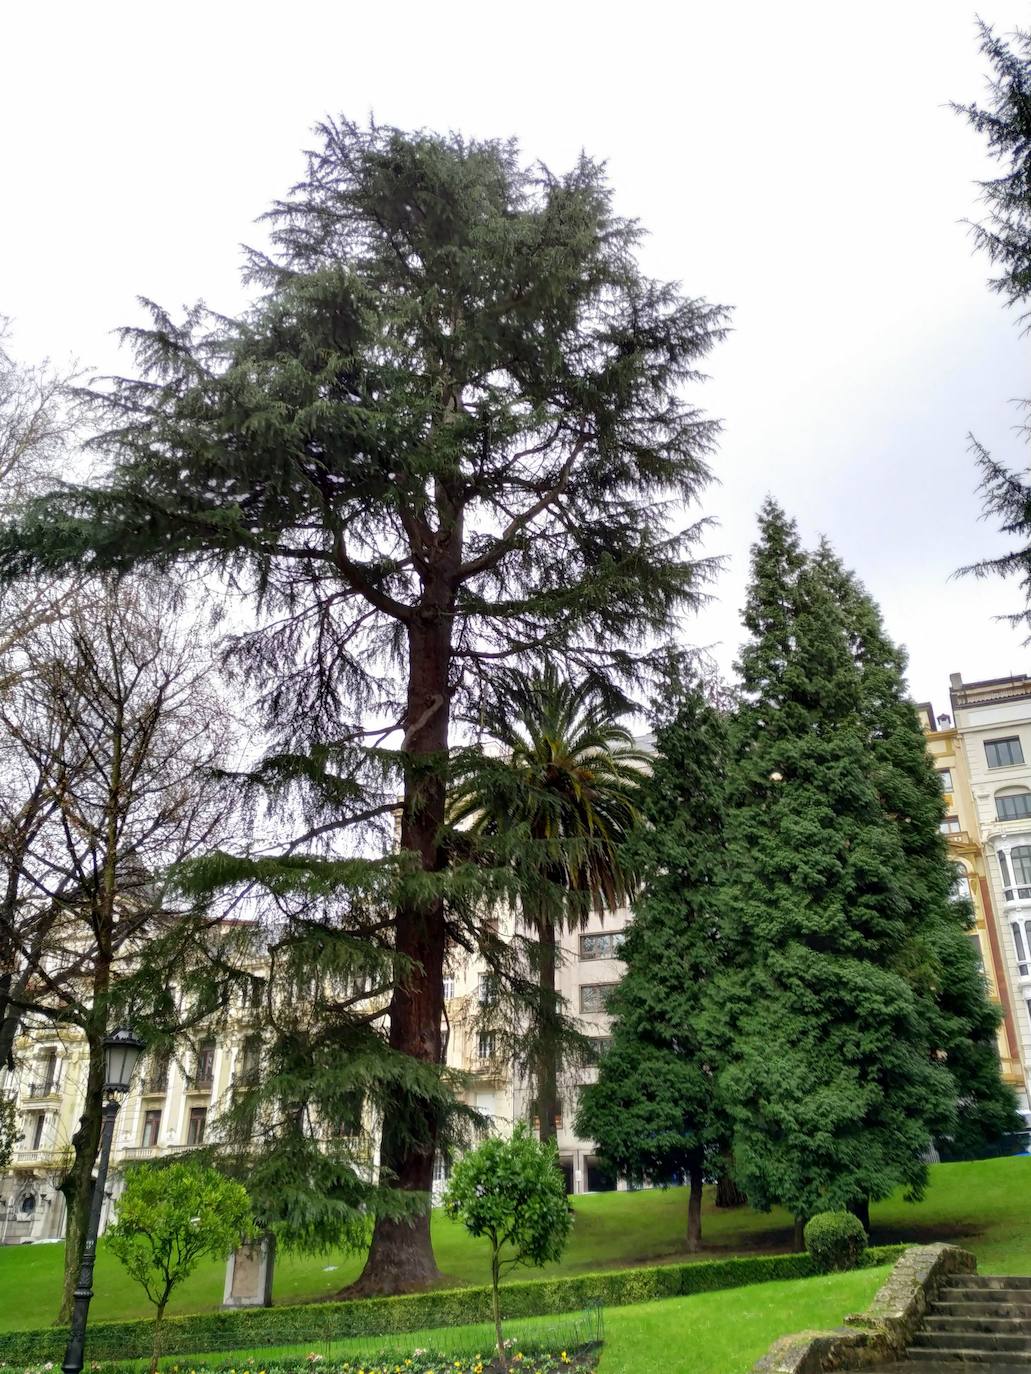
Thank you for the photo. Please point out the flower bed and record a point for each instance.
(420, 1361)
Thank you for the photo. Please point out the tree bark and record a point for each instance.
(694, 1206)
(77, 1184)
(728, 1194)
(798, 1240)
(861, 1209)
(547, 1070)
(495, 1300)
(155, 1350)
(401, 1257)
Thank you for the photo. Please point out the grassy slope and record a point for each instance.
(985, 1205)
(725, 1333)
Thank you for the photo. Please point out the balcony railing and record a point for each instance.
(158, 1084)
(49, 1155)
(153, 1151)
(202, 1082)
(49, 1088)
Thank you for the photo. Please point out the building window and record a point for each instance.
(157, 1079)
(38, 1127)
(1018, 945)
(440, 1171)
(249, 1061)
(1020, 861)
(1013, 806)
(449, 989)
(151, 1126)
(28, 1204)
(593, 996)
(195, 1130)
(49, 1071)
(950, 825)
(599, 1045)
(485, 1045)
(976, 941)
(205, 1074)
(601, 946)
(945, 778)
(1003, 753)
(1028, 1005)
(960, 889)
(486, 990)
(252, 991)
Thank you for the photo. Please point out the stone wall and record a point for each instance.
(881, 1334)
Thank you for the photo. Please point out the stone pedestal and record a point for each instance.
(249, 1275)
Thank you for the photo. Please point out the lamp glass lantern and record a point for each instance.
(122, 1052)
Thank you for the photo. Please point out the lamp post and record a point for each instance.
(122, 1052)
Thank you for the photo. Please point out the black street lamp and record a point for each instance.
(122, 1052)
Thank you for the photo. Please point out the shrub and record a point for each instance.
(168, 1220)
(247, 1328)
(835, 1241)
(511, 1193)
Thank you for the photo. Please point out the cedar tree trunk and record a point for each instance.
(401, 1258)
(547, 1071)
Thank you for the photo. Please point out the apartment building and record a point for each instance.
(962, 830)
(992, 719)
(171, 1108)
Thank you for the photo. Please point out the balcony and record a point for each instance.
(153, 1086)
(136, 1152)
(50, 1157)
(202, 1083)
(38, 1091)
(959, 838)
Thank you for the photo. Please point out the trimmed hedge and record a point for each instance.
(246, 1328)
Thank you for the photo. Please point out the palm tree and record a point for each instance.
(562, 793)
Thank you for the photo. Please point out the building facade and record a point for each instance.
(963, 835)
(992, 720)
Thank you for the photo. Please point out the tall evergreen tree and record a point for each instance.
(450, 431)
(940, 959)
(832, 1082)
(654, 1110)
(564, 795)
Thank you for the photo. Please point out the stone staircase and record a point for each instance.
(976, 1319)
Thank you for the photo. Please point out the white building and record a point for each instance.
(993, 720)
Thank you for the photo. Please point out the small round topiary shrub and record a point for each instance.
(835, 1241)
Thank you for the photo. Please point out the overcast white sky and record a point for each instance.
(795, 161)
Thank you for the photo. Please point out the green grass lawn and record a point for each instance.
(985, 1206)
(725, 1333)
(708, 1333)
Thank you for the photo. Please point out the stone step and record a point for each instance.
(973, 1321)
(972, 1340)
(973, 1310)
(990, 1280)
(997, 1293)
(999, 1360)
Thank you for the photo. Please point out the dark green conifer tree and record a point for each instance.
(654, 1111)
(831, 1082)
(451, 431)
(939, 958)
